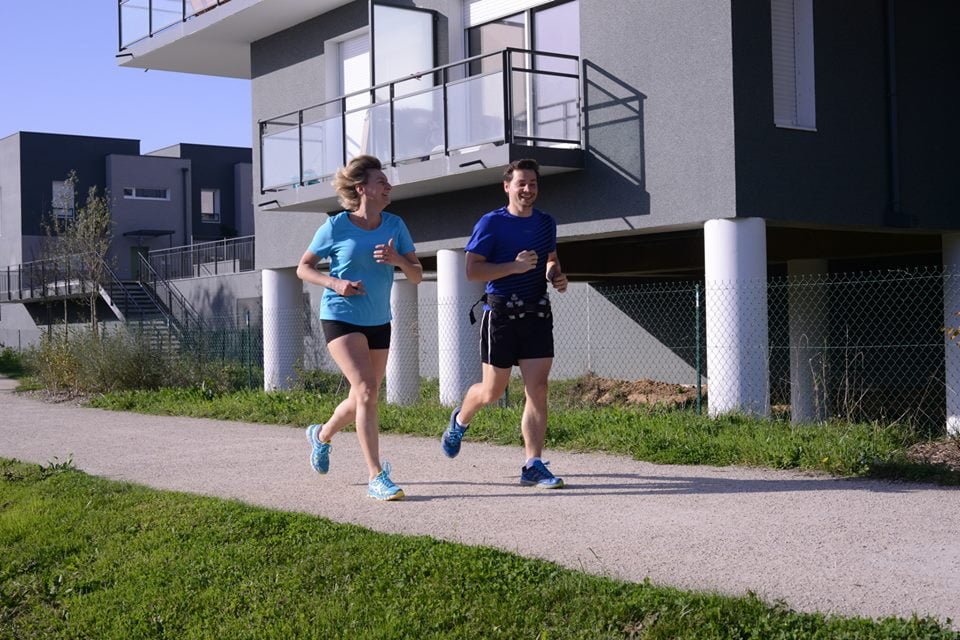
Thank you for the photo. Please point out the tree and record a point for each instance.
(80, 240)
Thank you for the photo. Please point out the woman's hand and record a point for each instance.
(349, 288)
(386, 254)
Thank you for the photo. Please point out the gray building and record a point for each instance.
(722, 141)
(174, 196)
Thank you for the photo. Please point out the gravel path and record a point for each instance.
(852, 547)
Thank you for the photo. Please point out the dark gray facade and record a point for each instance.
(678, 129)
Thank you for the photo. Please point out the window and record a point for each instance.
(144, 193)
(794, 98)
(544, 106)
(210, 205)
(61, 199)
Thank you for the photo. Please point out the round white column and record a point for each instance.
(735, 262)
(458, 340)
(807, 303)
(403, 363)
(282, 327)
(951, 305)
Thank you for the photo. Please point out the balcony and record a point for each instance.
(444, 129)
(207, 37)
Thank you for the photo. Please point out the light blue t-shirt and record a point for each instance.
(350, 250)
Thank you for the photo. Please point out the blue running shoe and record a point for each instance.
(539, 475)
(382, 487)
(452, 436)
(320, 456)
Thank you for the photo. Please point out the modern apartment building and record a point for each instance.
(174, 196)
(725, 141)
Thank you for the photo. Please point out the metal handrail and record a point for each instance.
(184, 16)
(237, 254)
(507, 68)
(155, 282)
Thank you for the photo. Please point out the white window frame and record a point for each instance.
(61, 193)
(794, 86)
(135, 193)
(212, 217)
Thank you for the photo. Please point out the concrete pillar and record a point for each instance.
(735, 262)
(458, 340)
(282, 327)
(951, 305)
(807, 303)
(403, 364)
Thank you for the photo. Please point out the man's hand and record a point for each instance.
(349, 288)
(525, 261)
(558, 279)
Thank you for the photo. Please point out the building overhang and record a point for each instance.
(441, 174)
(216, 41)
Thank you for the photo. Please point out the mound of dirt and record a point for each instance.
(594, 390)
(945, 451)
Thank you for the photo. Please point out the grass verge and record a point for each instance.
(657, 435)
(86, 557)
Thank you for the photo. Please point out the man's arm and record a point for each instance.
(479, 269)
(555, 274)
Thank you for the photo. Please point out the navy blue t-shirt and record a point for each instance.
(499, 236)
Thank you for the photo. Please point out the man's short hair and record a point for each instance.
(525, 164)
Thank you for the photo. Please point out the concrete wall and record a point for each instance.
(220, 296)
(11, 250)
(17, 329)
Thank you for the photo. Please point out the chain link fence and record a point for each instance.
(866, 346)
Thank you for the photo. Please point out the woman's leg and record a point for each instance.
(346, 411)
(353, 355)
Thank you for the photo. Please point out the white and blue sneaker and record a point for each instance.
(538, 475)
(382, 487)
(320, 455)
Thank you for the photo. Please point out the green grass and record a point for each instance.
(664, 436)
(84, 557)
(11, 364)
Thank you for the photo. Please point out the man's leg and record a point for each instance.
(535, 373)
(487, 391)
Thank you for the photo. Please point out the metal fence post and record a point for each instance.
(697, 325)
(246, 354)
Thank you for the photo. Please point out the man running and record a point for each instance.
(514, 249)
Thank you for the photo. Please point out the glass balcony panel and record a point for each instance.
(322, 145)
(554, 103)
(418, 125)
(166, 13)
(475, 111)
(368, 132)
(520, 88)
(281, 153)
(134, 21)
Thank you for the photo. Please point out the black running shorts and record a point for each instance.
(378, 337)
(504, 341)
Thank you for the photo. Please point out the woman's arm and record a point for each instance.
(308, 272)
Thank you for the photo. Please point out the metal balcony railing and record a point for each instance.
(52, 278)
(140, 19)
(232, 255)
(513, 96)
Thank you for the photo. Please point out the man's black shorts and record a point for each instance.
(505, 341)
(378, 337)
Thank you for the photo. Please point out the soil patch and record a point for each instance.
(945, 451)
(594, 390)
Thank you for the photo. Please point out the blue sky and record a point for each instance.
(58, 74)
